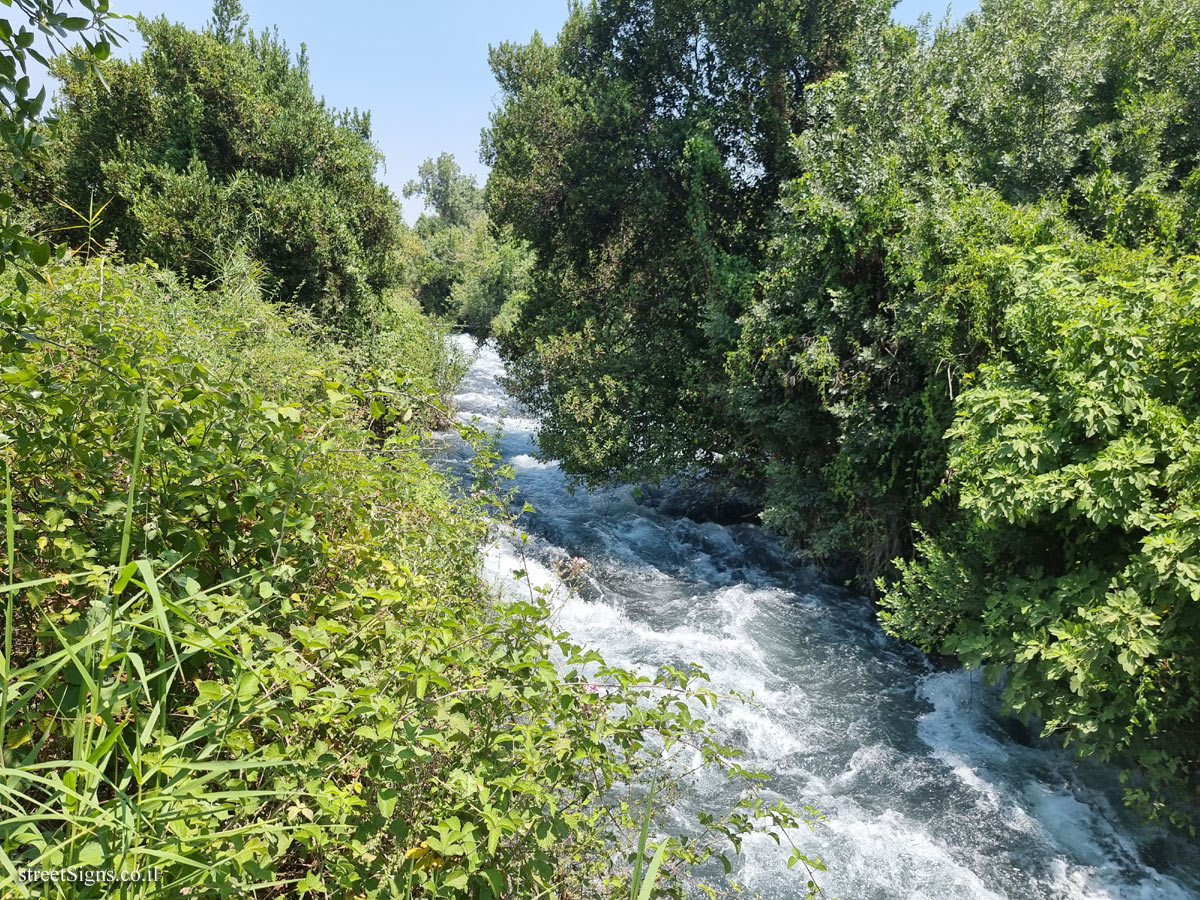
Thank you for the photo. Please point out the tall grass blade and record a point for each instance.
(133, 479)
(652, 872)
(10, 533)
(636, 884)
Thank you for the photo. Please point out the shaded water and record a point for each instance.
(927, 790)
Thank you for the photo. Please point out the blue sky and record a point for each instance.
(420, 67)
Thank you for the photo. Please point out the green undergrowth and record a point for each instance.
(246, 639)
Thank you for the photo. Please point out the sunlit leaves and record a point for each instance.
(300, 678)
(1075, 461)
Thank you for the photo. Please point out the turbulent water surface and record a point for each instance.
(927, 790)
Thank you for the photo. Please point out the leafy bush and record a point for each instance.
(246, 637)
(1074, 563)
(213, 142)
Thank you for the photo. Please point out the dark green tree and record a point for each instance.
(640, 157)
(213, 141)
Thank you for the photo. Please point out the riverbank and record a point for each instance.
(246, 638)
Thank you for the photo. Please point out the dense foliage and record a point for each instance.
(458, 264)
(961, 351)
(247, 643)
(213, 142)
(1075, 561)
(933, 167)
(246, 637)
(640, 156)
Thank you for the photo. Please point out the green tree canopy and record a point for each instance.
(212, 141)
(640, 157)
(447, 190)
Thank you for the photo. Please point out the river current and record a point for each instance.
(928, 791)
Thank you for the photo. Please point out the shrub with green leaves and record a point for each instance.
(247, 640)
(213, 142)
(1075, 560)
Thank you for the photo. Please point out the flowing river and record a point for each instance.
(928, 791)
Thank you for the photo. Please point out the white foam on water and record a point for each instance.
(925, 795)
(954, 725)
(887, 849)
(1086, 856)
(864, 762)
(489, 422)
(512, 569)
(988, 797)
(525, 461)
(1087, 883)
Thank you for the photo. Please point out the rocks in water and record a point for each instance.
(715, 499)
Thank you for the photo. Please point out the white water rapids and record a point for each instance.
(928, 791)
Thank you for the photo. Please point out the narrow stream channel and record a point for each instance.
(927, 790)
